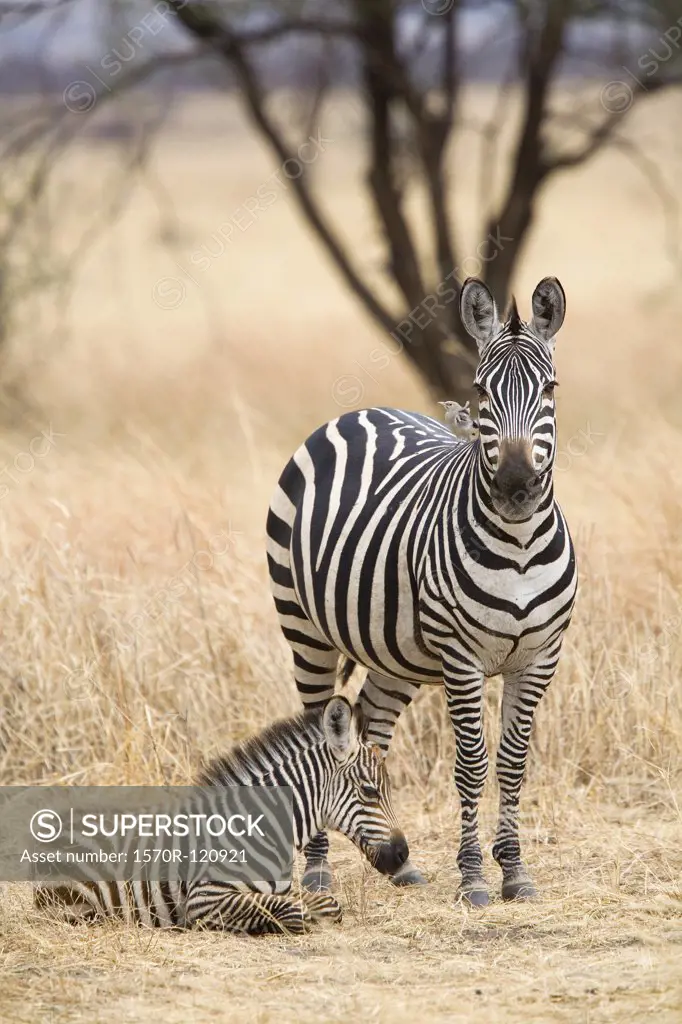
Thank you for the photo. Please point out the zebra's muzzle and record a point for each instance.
(387, 858)
(515, 488)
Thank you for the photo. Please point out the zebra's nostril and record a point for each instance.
(517, 488)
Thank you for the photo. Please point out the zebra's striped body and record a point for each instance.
(338, 781)
(430, 559)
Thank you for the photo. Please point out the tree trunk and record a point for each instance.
(445, 362)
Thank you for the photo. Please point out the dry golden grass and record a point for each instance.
(145, 520)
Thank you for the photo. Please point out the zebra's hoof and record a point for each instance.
(408, 875)
(519, 889)
(475, 897)
(317, 878)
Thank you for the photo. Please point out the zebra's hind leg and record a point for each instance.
(74, 903)
(315, 666)
(383, 700)
(315, 660)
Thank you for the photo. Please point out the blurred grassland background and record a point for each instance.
(139, 636)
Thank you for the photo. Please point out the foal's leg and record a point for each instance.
(217, 907)
(322, 906)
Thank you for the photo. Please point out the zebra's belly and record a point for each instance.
(392, 647)
(496, 654)
(403, 647)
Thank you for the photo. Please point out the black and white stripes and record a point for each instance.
(338, 781)
(430, 559)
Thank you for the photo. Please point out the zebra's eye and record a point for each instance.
(482, 393)
(369, 792)
(548, 390)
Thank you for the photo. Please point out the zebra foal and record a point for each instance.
(339, 781)
(433, 560)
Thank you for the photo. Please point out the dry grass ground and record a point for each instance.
(144, 517)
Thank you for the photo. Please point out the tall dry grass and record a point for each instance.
(138, 635)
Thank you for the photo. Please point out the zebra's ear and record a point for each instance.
(549, 309)
(342, 724)
(478, 312)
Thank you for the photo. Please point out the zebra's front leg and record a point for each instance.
(464, 695)
(322, 907)
(217, 906)
(521, 696)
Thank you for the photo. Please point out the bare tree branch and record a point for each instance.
(542, 46)
(64, 126)
(604, 131)
(201, 23)
(647, 166)
(435, 131)
(412, 105)
(299, 26)
(321, 89)
(379, 54)
(387, 82)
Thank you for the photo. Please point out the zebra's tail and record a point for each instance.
(346, 668)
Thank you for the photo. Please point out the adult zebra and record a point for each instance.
(430, 559)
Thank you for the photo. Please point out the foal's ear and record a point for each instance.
(478, 312)
(549, 309)
(342, 724)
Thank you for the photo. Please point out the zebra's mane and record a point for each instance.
(251, 761)
(513, 322)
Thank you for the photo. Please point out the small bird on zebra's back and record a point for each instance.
(459, 419)
(339, 781)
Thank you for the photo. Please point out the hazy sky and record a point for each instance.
(80, 32)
